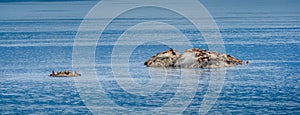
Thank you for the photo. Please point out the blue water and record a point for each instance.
(41, 39)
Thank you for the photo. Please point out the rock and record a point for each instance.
(192, 58)
(164, 59)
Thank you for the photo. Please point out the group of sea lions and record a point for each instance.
(65, 73)
(193, 58)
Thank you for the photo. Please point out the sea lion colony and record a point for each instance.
(192, 58)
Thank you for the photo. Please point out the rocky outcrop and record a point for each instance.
(192, 58)
(65, 73)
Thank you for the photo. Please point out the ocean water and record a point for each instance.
(38, 38)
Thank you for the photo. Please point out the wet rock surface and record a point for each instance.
(193, 58)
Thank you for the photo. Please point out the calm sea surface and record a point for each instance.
(31, 47)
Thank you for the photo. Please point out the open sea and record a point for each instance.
(38, 37)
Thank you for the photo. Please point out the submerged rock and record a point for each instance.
(192, 58)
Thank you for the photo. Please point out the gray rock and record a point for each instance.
(192, 58)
